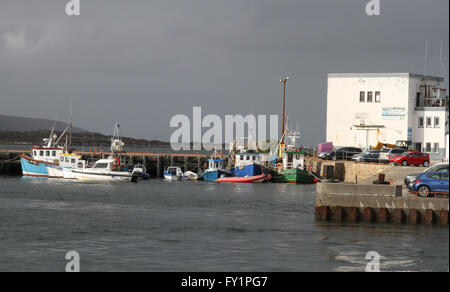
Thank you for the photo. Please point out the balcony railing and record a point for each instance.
(432, 102)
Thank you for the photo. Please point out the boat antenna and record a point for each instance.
(71, 128)
(426, 60)
(50, 140)
(441, 58)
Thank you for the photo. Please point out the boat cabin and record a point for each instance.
(47, 154)
(247, 158)
(174, 171)
(103, 164)
(293, 160)
(216, 164)
(71, 161)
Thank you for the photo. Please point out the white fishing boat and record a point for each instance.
(174, 173)
(109, 169)
(103, 170)
(45, 159)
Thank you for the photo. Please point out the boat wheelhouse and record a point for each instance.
(66, 161)
(216, 168)
(248, 163)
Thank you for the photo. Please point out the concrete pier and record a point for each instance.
(377, 203)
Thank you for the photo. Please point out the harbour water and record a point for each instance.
(196, 226)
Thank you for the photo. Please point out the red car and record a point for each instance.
(411, 158)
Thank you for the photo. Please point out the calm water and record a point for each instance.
(189, 226)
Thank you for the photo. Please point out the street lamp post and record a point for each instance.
(284, 81)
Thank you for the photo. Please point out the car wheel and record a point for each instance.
(424, 191)
(426, 163)
(404, 163)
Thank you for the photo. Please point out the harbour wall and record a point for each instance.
(344, 202)
(345, 171)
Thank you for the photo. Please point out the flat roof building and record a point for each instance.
(366, 108)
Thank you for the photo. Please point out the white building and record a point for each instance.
(366, 108)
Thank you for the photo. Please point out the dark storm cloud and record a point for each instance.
(141, 62)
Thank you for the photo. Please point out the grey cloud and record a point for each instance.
(141, 62)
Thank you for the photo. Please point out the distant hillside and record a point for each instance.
(19, 130)
(85, 138)
(21, 124)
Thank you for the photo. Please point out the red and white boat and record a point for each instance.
(245, 179)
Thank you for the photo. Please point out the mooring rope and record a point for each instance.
(10, 160)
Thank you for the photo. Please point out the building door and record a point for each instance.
(419, 147)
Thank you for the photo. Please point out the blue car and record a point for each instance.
(432, 182)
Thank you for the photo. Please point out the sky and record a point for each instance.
(142, 62)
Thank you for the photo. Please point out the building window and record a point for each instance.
(436, 148)
(47, 153)
(436, 122)
(369, 96)
(377, 96)
(362, 96)
(428, 147)
(421, 122)
(53, 153)
(429, 121)
(41, 153)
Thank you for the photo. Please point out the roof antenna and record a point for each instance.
(426, 60)
(441, 58)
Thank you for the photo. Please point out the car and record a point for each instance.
(323, 155)
(367, 156)
(343, 153)
(387, 153)
(411, 158)
(440, 167)
(427, 184)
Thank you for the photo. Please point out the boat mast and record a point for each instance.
(70, 137)
(284, 81)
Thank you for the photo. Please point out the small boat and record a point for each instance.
(246, 179)
(191, 175)
(247, 162)
(174, 173)
(111, 168)
(103, 170)
(216, 168)
(45, 156)
(290, 166)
